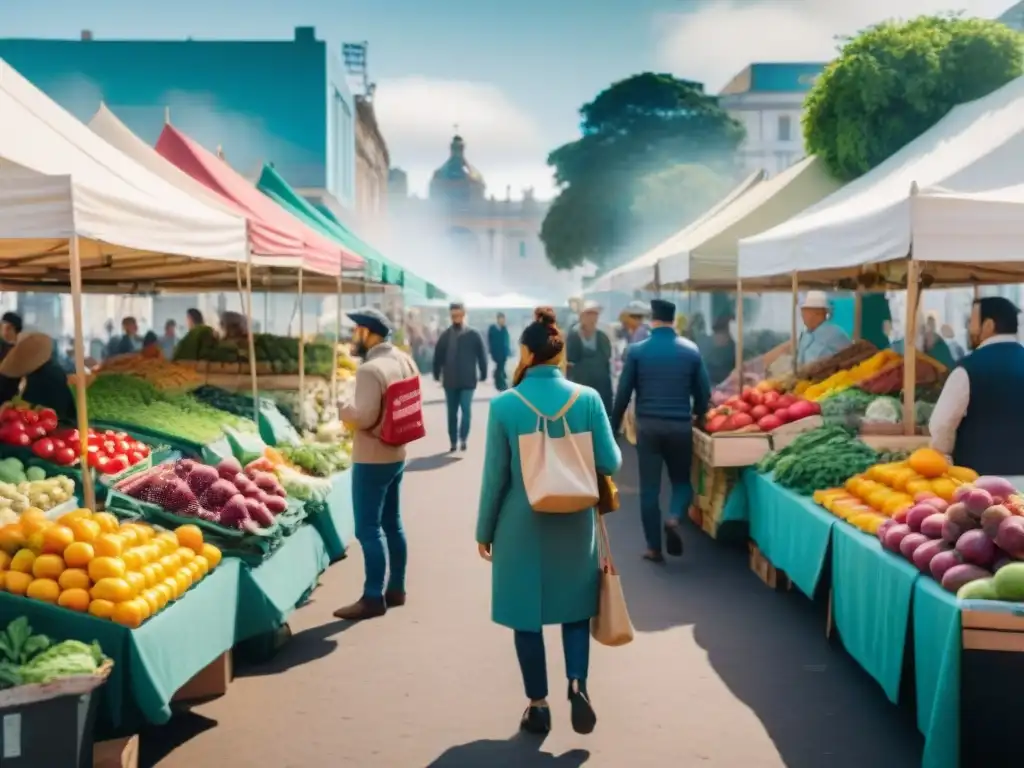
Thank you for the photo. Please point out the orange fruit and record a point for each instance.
(128, 613)
(79, 554)
(143, 606)
(23, 561)
(944, 488)
(101, 608)
(212, 555)
(185, 554)
(12, 538)
(76, 514)
(136, 580)
(184, 579)
(146, 533)
(48, 567)
(74, 578)
(112, 589)
(915, 487)
(167, 542)
(2, 579)
(35, 542)
(133, 559)
(46, 590)
(76, 599)
(203, 563)
(165, 592)
(196, 570)
(108, 545)
(128, 534)
(151, 574)
(928, 462)
(5, 561)
(963, 474)
(190, 536)
(85, 530)
(152, 598)
(106, 568)
(16, 582)
(33, 520)
(106, 521)
(172, 584)
(170, 563)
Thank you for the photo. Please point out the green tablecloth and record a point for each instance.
(150, 663)
(790, 530)
(337, 524)
(268, 593)
(937, 672)
(871, 596)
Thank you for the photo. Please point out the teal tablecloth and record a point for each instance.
(737, 505)
(871, 597)
(337, 524)
(937, 672)
(790, 530)
(268, 593)
(150, 663)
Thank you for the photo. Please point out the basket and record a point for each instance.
(76, 685)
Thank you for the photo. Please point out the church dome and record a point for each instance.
(457, 179)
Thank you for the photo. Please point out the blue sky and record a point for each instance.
(511, 74)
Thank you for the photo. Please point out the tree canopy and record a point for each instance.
(653, 153)
(895, 80)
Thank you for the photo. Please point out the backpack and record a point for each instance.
(402, 410)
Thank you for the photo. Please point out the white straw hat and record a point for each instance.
(815, 300)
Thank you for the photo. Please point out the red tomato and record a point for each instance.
(109, 434)
(64, 456)
(123, 446)
(30, 417)
(50, 425)
(92, 455)
(142, 448)
(109, 447)
(17, 428)
(117, 464)
(58, 443)
(43, 448)
(9, 414)
(134, 457)
(47, 413)
(102, 464)
(22, 439)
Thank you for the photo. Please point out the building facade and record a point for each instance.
(1014, 17)
(284, 101)
(372, 166)
(768, 100)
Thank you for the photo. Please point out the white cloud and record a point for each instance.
(418, 117)
(718, 39)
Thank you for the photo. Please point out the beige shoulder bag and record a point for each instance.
(558, 472)
(612, 625)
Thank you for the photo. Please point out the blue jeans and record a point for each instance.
(500, 376)
(662, 442)
(533, 664)
(378, 517)
(458, 399)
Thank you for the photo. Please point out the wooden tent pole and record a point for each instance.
(337, 341)
(739, 332)
(81, 401)
(910, 348)
(302, 347)
(795, 287)
(858, 313)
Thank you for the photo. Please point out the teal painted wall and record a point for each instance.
(284, 102)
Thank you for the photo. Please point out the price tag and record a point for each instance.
(12, 736)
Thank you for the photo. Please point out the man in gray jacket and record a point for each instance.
(458, 357)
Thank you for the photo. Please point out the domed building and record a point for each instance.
(456, 181)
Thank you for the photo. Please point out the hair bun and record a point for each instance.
(545, 315)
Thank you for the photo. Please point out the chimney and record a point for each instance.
(305, 34)
(86, 34)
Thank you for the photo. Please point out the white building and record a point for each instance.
(768, 99)
(1014, 17)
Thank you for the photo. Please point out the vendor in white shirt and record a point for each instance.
(821, 337)
(978, 416)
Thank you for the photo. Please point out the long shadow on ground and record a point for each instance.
(520, 751)
(819, 707)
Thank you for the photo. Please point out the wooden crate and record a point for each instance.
(116, 753)
(896, 442)
(787, 433)
(733, 450)
(211, 681)
(704, 520)
(766, 572)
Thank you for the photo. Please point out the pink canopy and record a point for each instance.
(273, 230)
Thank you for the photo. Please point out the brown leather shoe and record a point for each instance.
(363, 608)
(394, 598)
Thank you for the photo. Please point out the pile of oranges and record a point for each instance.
(90, 562)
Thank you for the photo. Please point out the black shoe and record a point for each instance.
(363, 608)
(463, 447)
(673, 541)
(583, 717)
(453, 448)
(536, 720)
(654, 556)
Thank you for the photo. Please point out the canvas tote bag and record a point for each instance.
(558, 472)
(612, 625)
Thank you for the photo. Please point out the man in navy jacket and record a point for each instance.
(499, 344)
(668, 377)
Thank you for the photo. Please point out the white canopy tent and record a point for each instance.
(480, 301)
(640, 272)
(952, 196)
(61, 183)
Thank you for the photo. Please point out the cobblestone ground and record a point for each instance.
(723, 672)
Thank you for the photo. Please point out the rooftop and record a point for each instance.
(774, 77)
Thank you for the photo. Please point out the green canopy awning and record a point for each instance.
(378, 268)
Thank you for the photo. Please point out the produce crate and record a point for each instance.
(711, 489)
(236, 381)
(116, 753)
(732, 450)
(895, 442)
(222, 368)
(787, 433)
(211, 681)
(992, 649)
(766, 572)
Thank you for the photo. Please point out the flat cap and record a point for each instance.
(638, 309)
(663, 311)
(371, 319)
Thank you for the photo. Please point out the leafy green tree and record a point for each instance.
(638, 136)
(895, 80)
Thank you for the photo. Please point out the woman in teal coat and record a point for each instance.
(544, 566)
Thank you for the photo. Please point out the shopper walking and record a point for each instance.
(589, 354)
(377, 467)
(544, 566)
(670, 382)
(500, 346)
(458, 358)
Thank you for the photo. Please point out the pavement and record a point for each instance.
(723, 671)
